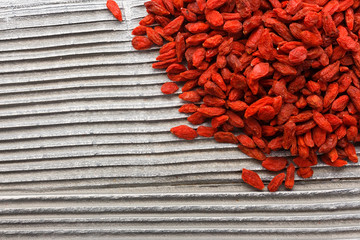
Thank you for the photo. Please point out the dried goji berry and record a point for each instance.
(315, 102)
(261, 39)
(290, 176)
(196, 118)
(147, 20)
(198, 27)
(351, 153)
(333, 155)
(331, 93)
(336, 163)
(303, 162)
(211, 111)
(297, 55)
(232, 26)
(340, 103)
(321, 121)
(178, 4)
(114, 9)
(190, 96)
(213, 4)
(274, 163)
(189, 15)
(276, 182)
(156, 8)
(234, 119)
(214, 18)
(174, 26)
(139, 30)
(206, 131)
(188, 108)
(218, 121)
(196, 39)
(289, 134)
(169, 88)
(354, 94)
(246, 141)
(253, 152)
(154, 36)
(141, 43)
(225, 137)
(284, 73)
(266, 113)
(184, 132)
(252, 178)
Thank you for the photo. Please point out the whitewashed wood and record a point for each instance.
(86, 153)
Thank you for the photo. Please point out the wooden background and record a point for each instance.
(85, 148)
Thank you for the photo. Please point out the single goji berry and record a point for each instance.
(174, 26)
(156, 8)
(290, 176)
(225, 137)
(297, 55)
(169, 88)
(274, 163)
(211, 111)
(196, 118)
(276, 182)
(246, 141)
(139, 30)
(184, 132)
(141, 43)
(351, 153)
(354, 94)
(252, 178)
(213, 4)
(206, 131)
(188, 108)
(190, 96)
(114, 9)
(234, 119)
(321, 121)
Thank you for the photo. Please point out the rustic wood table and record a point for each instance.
(85, 148)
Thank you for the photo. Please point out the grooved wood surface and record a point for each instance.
(86, 153)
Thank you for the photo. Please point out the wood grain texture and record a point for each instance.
(86, 153)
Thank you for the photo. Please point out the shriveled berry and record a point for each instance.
(141, 43)
(252, 178)
(169, 88)
(276, 182)
(184, 132)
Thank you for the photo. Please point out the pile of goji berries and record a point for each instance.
(267, 74)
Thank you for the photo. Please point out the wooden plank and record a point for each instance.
(86, 150)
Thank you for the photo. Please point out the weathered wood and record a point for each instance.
(85, 148)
